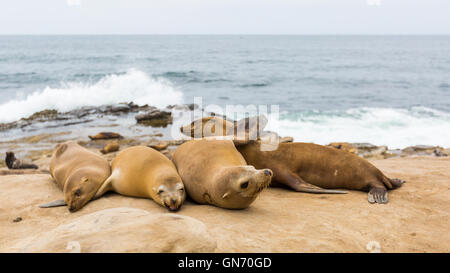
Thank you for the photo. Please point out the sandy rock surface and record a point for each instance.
(123, 230)
(416, 219)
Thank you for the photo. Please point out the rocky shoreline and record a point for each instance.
(36, 148)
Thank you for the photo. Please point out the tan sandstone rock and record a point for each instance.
(123, 230)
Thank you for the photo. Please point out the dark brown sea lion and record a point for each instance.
(215, 173)
(307, 167)
(13, 163)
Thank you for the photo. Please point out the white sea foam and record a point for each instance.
(396, 128)
(133, 86)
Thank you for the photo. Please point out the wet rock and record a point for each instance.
(392, 153)
(158, 145)
(183, 107)
(123, 230)
(176, 142)
(367, 150)
(45, 115)
(110, 148)
(106, 135)
(155, 118)
(423, 150)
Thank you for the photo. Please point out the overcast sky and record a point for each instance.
(225, 17)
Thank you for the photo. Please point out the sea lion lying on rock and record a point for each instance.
(78, 172)
(13, 163)
(215, 173)
(141, 171)
(307, 167)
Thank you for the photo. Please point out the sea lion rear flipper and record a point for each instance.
(56, 203)
(298, 184)
(247, 129)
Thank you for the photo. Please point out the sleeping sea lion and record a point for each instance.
(307, 167)
(78, 172)
(141, 171)
(215, 173)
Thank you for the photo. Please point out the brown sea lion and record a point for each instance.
(141, 171)
(13, 163)
(215, 173)
(110, 148)
(78, 172)
(106, 135)
(243, 130)
(307, 167)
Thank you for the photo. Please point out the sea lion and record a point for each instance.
(110, 147)
(141, 171)
(78, 172)
(106, 135)
(243, 130)
(307, 167)
(13, 163)
(215, 173)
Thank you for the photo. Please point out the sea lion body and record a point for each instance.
(308, 167)
(78, 172)
(141, 171)
(13, 163)
(215, 173)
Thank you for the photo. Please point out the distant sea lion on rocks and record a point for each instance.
(307, 167)
(215, 173)
(243, 130)
(106, 135)
(13, 163)
(141, 171)
(78, 172)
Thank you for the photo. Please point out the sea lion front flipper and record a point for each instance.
(56, 203)
(106, 186)
(377, 195)
(298, 184)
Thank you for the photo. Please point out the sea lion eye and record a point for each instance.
(160, 191)
(244, 185)
(78, 192)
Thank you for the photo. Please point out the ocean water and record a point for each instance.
(387, 90)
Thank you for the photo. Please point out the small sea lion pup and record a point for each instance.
(307, 167)
(78, 172)
(215, 173)
(141, 171)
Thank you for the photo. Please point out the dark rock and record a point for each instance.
(18, 219)
(155, 118)
(423, 150)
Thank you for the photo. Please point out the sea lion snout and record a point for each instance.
(172, 197)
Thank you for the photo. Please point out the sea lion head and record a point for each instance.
(169, 192)
(207, 126)
(77, 192)
(239, 186)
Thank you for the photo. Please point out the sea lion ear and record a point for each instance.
(60, 148)
(248, 129)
